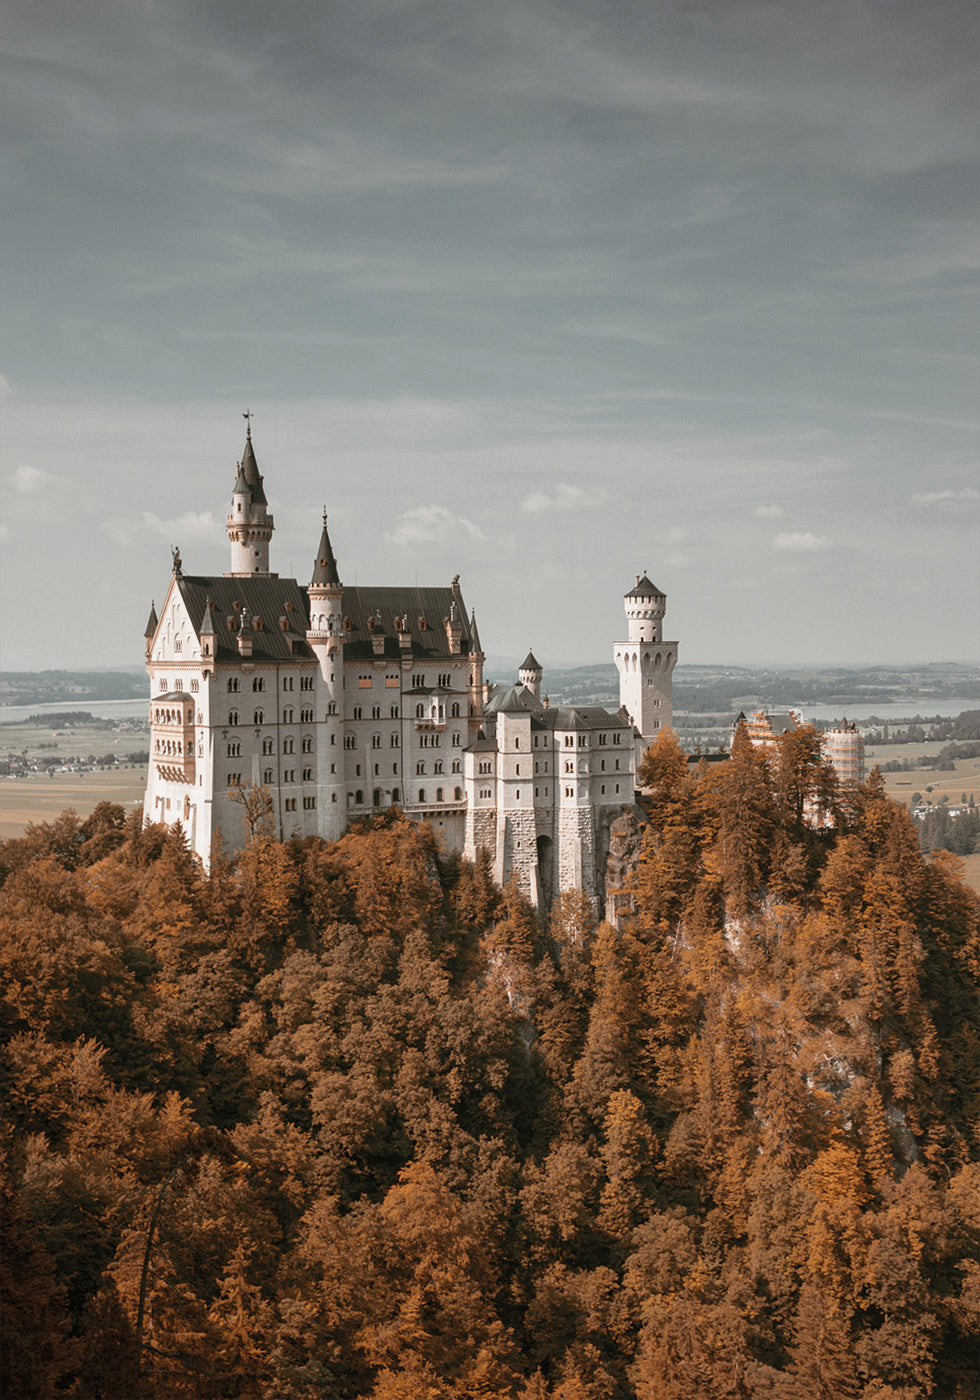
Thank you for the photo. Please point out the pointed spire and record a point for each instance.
(207, 621)
(248, 469)
(530, 663)
(152, 623)
(325, 565)
(475, 646)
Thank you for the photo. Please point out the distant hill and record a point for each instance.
(48, 687)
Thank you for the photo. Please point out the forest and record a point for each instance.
(347, 1120)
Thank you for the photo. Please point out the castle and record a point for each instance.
(326, 703)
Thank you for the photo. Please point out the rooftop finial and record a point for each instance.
(324, 517)
(247, 415)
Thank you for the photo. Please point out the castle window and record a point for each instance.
(457, 766)
(419, 711)
(375, 711)
(454, 710)
(359, 798)
(375, 741)
(569, 740)
(437, 768)
(357, 770)
(267, 775)
(617, 765)
(306, 716)
(617, 787)
(394, 741)
(258, 717)
(287, 682)
(569, 767)
(602, 738)
(602, 790)
(194, 686)
(396, 795)
(457, 794)
(332, 708)
(357, 712)
(267, 746)
(287, 716)
(419, 768)
(438, 794)
(517, 743)
(602, 765)
(289, 776)
(290, 804)
(376, 798)
(418, 682)
(617, 738)
(287, 746)
(377, 770)
(421, 794)
(258, 683)
(232, 685)
(234, 750)
(232, 716)
(307, 745)
(178, 645)
(517, 795)
(350, 741)
(456, 741)
(583, 740)
(394, 712)
(306, 682)
(307, 775)
(234, 780)
(309, 803)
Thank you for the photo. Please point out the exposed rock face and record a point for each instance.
(625, 841)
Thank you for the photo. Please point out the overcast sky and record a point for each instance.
(541, 292)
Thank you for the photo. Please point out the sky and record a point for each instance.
(545, 293)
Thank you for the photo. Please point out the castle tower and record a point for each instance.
(249, 523)
(530, 674)
(325, 638)
(645, 662)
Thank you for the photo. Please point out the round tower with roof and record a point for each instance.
(249, 523)
(646, 662)
(530, 674)
(325, 637)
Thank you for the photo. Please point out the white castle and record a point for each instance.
(334, 703)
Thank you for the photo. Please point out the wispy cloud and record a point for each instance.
(195, 525)
(564, 497)
(29, 480)
(431, 525)
(966, 498)
(769, 512)
(799, 542)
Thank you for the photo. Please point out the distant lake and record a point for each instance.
(102, 709)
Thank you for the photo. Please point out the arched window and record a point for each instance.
(358, 798)
(258, 717)
(232, 716)
(419, 711)
(419, 768)
(438, 794)
(287, 716)
(457, 794)
(375, 741)
(454, 711)
(421, 794)
(376, 797)
(396, 795)
(394, 741)
(267, 775)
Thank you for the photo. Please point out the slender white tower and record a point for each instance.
(645, 662)
(325, 638)
(249, 523)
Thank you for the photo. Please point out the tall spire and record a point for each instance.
(325, 565)
(249, 523)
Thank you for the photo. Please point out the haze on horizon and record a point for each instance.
(538, 293)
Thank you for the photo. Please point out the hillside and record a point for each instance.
(348, 1121)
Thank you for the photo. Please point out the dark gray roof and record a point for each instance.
(515, 697)
(474, 636)
(273, 601)
(269, 601)
(325, 565)
(579, 717)
(643, 588)
(412, 606)
(152, 622)
(531, 663)
(178, 696)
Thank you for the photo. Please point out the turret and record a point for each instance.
(151, 629)
(325, 638)
(645, 663)
(249, 523)
(530, 674)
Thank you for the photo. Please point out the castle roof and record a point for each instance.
(279, 612)
(643, 588)
(419, 610)
(511, 700)
(152, 622)
(325, 565)
(531, 663)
